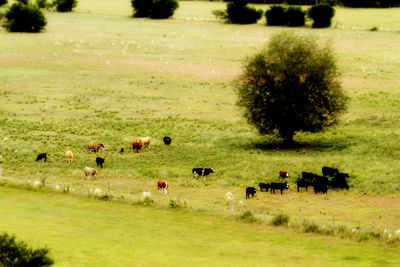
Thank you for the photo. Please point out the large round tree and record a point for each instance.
(292, 85)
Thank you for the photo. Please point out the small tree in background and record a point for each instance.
(238, 12)
(276, 16)
(141, 8)
(295, 17)
(321, 15)
(17, 253)
(163, 9)
(65, 5)
(21, 17)
(292, 85)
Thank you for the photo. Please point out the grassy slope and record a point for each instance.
(97, 74)
(82, 232)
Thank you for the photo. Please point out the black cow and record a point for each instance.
(122, 150)
(308, 176)
(167, 140)
(265, 186)
(279, 186)
(201, 172)
(327, 171)
(339, 181)
(42, 156)
(321, 184)
(301, 182)
(250, 191)
(100, 162)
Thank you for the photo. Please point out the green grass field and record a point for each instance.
(83, 232)
(99, 75)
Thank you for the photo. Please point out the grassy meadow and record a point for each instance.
(82, 232)
(98, 74)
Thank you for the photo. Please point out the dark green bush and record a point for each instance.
(3, 2)
(280, 219)
(163, 9)
(17, 253)
(247, 217)
(141, 8)
(65, 5)
(321, 15)
(276, 16)
(24, 18)
(238, 12)
(42, 3)
(295, 17)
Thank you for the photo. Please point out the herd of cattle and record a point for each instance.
(331, 179)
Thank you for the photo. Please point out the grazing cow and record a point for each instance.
(94, 146)
(69, 156)
(167, 140)
(201, 172)
(250, 191)
(99, 161)
(321, 184)
(137, 146)
(283, 174)
(90, 171)
(301, 182)
(144, 140)
(308, 176)
(339, 181)
(327, 171)
(42, 156)
(279, 186)
(265, 186)
(122, 150)
(162, 187)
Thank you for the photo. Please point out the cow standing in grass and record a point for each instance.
(69, 156)
(250, 191)
(162, 187)
(279, 186)
(201, 172)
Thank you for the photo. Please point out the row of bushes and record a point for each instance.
(321, 14)
(155, 9)
(346, 3)
(239, 13)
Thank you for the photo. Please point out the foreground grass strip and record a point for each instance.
(84, 232)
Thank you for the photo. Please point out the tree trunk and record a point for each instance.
(287, 136)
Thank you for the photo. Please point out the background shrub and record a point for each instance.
(239, 13)
(42, 3)
(65, 5)
(295, 17)
(280, 219)
(141, 8)
(276, 16)
(17, 253)
(24, 18)
(163, 9)
(321, 15)
(3, 2)
(247, 217)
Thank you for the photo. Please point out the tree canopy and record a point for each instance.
(292, 85)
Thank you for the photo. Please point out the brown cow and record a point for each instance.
(137, 146)
(94, 146)
(162, 187)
